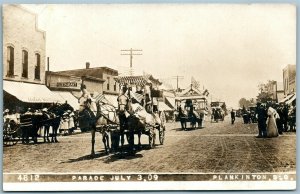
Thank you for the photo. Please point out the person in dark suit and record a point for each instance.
(261, 121)
(232, 116)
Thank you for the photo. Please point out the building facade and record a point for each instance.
(104, 75)
(289, 79)
(23, 46)
(24, 62)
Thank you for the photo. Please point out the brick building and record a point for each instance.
(23, 46)
(24, 61)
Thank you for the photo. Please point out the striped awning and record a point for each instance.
(288, 97)
(291, 100)
(132, 80)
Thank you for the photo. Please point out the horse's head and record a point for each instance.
(123, 103)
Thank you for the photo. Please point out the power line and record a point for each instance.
(131, 55)
(177, 77)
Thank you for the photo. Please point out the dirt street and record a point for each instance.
(216, 148)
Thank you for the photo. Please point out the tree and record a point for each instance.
(243, 102)
(265, 91)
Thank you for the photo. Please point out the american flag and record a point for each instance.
(195, 83)
(206, 93)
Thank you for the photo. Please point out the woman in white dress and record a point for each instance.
(272, 130)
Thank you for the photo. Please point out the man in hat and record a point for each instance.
(261, 120)
(232, 113)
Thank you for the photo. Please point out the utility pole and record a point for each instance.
(131, 55)
(177, 77)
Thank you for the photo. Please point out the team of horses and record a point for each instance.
(30, 123)
(118, 123)
(192, 116)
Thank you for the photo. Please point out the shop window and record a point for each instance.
(37, 69)
(10, 61)
(24, 64)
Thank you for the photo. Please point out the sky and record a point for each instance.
(229, 49)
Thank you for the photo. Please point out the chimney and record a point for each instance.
(87, 65)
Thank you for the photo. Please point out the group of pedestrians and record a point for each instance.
(67, 124)
(272, 119)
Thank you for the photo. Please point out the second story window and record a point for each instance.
(24, 64)
(108, 80)
(37, 69)
(10, 61)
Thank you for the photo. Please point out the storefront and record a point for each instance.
(19, 96)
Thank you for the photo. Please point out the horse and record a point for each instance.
(52, 118)
(94, 117)
(140, 121)
(182, 114)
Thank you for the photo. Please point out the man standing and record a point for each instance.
(261, 121)
(232, 116)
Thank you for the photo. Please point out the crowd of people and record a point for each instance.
(274, 119)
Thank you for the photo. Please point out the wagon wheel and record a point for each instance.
(162, 135)
(10, 136)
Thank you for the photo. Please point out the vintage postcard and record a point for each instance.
(149, 97)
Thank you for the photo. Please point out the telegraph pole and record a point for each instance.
(177, 77)
(131, 53)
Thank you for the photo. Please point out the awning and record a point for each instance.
(180, 98)
(163, 107)
(30, 93)
(291, 100)
(67, 96)
(287, 98)
(171, 101)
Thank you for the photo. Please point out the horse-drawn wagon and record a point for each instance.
(136, 114)
(25, 126)
(191, 109)
(217, 112)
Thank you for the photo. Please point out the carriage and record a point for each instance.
(217, 111)
(217, 114)
(25, 126)
(191, 109)
(20, 126)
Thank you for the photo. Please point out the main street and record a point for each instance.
(216, 148)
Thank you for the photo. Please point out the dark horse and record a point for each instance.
(52, 118)
(126, 120)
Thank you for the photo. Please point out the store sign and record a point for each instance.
(67, 84)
